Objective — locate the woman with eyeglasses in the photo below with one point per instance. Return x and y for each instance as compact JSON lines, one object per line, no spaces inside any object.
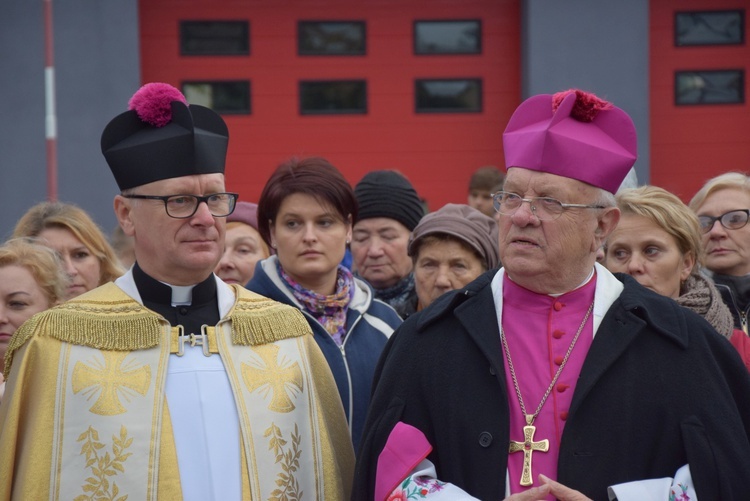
{"x":722,"y":206}
{"x":658,"y":242}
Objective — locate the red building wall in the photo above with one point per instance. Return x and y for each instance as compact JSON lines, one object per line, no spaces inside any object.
{"x":438,"y":152}
{"x":690,"y":144}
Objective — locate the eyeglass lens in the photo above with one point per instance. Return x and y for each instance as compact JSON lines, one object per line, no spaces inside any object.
{"x":543,"y":207}
{"x":732,"y":220}
{"x":219,"y":204}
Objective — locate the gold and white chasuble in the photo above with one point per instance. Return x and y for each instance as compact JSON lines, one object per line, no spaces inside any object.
{"x":85,"y":414}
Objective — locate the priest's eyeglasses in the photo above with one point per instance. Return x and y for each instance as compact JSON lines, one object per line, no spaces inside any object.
{"x":185,"y":206}
{"x":732,"y":220}
{"x":544,"y":208}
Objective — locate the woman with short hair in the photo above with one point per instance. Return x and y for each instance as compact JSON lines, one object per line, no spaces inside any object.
{"x":722,"y":206}
{"x":658,"y":242}
{"x":87,"y":256}
{"x":305,"y":214}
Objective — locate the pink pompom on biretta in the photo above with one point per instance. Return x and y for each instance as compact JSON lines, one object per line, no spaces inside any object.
{"x":586,"y":107}
{"x":153,"y":103}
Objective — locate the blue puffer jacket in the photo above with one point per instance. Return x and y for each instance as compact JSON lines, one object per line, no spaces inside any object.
{"x":369,"y":324}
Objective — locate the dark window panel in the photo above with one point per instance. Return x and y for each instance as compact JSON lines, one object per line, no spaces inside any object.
{"x":449,"y":96}
{"x":225,"y":97}
{"x":448,"y":37}
{"x":709,"y":87}
{"x":214,"y":38}
{"x":333,"y":97}
{"x":725,"y":27}
{"x":331,"y":38}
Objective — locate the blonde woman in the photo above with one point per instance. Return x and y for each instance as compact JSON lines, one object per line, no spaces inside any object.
{"x":87,"y":256}
{"x":658,"y":242}
{"x":31,"y":280}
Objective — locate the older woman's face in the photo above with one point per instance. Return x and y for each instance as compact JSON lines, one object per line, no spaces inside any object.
{"x":310,"y":240}
{"x":727,"y":251}
{"x":643,"y":249}
{"x":20,"y":298}
{"x":244,"y":247}
{"x":442,"y":266}
{"x":380,"y":251}
{"x":82,"y":266}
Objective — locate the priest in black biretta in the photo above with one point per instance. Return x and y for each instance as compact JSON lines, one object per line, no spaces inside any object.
{"x":162,"y":137}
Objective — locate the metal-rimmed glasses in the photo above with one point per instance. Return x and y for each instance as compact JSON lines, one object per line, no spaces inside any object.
{"x":544,"y":208}
{"x":184,"y":206}
{"x":732,"y":220}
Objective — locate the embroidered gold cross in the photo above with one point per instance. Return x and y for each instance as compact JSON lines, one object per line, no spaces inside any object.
{"x":110,"y":379}
{"x":278,"y":378}
{"x":528,"y":446}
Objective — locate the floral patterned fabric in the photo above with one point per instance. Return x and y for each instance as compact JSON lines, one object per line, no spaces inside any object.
{"x":330,"y":311}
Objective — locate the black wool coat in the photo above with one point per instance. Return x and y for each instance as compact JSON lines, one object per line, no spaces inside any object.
{"x":658,"y":389}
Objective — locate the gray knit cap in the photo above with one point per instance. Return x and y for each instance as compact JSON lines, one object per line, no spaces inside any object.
{"x":386,"y":193}
{"x":465,"y":223}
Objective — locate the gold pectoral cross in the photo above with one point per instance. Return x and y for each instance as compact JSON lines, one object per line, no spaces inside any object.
{"x":528,"y":446}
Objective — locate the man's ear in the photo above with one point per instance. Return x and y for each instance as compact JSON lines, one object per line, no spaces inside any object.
{"x":606,"y":224}
{"x":123,"y":212}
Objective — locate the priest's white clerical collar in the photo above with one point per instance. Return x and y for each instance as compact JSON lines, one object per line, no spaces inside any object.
{"x":182,"y":295}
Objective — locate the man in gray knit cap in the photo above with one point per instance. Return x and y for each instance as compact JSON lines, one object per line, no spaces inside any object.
{"x":389,"y":210}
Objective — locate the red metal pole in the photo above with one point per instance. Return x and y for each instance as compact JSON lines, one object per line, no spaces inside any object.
{"x":49,"y":95}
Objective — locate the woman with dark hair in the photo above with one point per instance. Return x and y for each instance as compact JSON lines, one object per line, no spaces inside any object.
{"x":305,"y":214}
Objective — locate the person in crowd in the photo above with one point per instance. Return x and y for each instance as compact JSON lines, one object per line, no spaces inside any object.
{"x":451,"y":247}
{"x":31,"y":280}
{"x":244,"y":245}
{"x":169,"y":383}
{"x":658,"y":242}
{"x":124,"y":247}
{"x":88,"y":257}
{"x":389,"y":210}
{"x":305,"y":213}
{"x":483,"y":183}
{"x":551,"y":377}
{"x":722,"y":206}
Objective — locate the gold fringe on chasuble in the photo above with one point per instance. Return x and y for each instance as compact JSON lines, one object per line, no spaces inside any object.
{"x":105,"y":318}
{"x":258,"y":320}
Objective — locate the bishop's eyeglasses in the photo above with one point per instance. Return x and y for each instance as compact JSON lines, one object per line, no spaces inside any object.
{"x":732,"y":220}
{"x":184,"y":206}
{"x":544,"y":208}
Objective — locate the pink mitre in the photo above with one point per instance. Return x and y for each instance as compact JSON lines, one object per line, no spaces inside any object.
{"x":573,"y":134}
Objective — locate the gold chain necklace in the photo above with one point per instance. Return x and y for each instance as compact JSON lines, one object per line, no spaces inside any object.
{"x":528,"y":446}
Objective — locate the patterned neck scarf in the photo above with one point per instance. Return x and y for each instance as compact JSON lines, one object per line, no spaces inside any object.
{"x":402,"y":296}
{"x":331,"y":310}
